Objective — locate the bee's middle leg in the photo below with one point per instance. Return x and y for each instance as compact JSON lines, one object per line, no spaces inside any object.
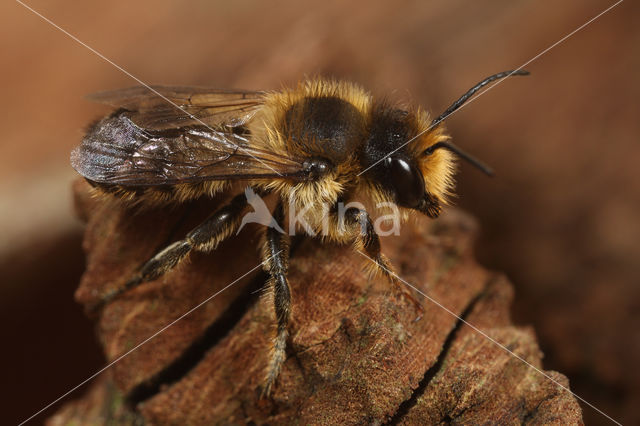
{"x":276,"y":257}
{"x":369,"y":242}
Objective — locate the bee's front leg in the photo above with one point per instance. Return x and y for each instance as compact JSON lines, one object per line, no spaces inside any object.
{"x":368,"y":242}
{"x":276,"y":257}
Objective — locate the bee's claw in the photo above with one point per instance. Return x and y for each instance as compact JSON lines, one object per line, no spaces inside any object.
{"x":419,"y":309}
{"x":265,"y":390}
{"x":406,"y":294}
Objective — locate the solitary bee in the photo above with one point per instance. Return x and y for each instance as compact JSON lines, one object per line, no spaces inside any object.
{"x":319,"y":144}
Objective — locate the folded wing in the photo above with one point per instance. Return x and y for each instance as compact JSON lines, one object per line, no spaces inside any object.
{"x":150,"y":142}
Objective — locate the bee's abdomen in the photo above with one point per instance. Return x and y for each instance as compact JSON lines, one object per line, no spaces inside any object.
{"x":326,"y":126}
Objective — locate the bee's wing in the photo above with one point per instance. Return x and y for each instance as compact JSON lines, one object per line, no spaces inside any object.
{"x":118,"y":150}
{"x":165,"y":107}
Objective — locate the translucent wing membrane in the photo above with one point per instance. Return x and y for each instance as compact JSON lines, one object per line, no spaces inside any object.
{"x":198,"y":106}
{"x":149,"y":142}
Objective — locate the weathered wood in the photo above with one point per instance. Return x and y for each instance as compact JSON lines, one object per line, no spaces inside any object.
{"x":355,"y":354}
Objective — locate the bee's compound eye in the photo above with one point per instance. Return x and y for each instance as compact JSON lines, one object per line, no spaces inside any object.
{"x":406,"y":180}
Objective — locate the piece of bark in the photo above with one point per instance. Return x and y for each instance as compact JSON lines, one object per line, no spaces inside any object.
{"x":355,"y":353}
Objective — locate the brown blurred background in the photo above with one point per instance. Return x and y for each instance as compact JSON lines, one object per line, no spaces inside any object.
{"x":561,"y":219}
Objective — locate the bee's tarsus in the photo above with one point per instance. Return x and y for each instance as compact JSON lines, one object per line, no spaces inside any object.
{"x":276,"y":254}
{"x":203,"y":238}
{"x":369,"y":242}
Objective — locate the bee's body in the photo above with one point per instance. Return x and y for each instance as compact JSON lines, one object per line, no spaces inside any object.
{"x":336,"y":123}
{"x":314,"y":146}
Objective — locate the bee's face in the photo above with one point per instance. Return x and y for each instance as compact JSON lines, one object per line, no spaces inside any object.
{"x":412,"y":178}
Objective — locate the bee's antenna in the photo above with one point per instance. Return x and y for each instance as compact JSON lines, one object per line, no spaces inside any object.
{"x":464,"y":98}
{"x":448,"y":145}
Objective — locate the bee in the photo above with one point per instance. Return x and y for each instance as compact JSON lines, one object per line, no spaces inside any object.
{"x":319,"y":144}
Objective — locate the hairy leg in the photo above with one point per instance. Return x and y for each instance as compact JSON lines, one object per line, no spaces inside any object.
{"x":203,"y":238}
{"x":276,"y":255}
{"x":368,"y":242}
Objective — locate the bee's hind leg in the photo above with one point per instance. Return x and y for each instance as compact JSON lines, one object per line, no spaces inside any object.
{"x":368,"y":242}
{"x":203,"y":238}
{"x":276,"y":258}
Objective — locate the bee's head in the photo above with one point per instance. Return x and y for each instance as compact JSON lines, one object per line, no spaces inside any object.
{"x":410,"y":174}
{"x":410,"y":158}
